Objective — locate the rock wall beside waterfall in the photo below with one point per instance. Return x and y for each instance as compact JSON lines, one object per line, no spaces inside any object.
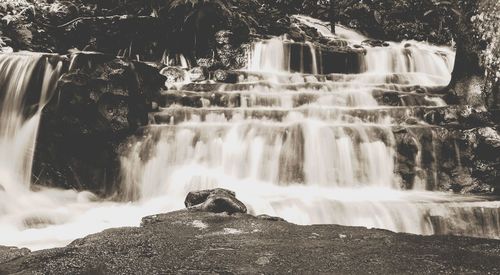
{"x":99,"y":102}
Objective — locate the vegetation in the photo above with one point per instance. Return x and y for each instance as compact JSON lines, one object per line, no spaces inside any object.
{"x":487,"y":24}
{"x":191,"y":23}
{"x":189,"y":26}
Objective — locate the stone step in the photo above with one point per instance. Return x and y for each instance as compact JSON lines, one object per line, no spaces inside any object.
{"x":309,"y":86}
{"x":246,"y":76}
{"x":270,"y":98}
{"x":380,"y":115}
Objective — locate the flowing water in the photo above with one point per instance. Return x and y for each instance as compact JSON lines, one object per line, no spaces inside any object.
{"x":291,"y":138}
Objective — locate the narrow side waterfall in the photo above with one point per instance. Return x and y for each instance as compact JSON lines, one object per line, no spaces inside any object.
{"x":271,"y":55}
{"x":24,"y":77}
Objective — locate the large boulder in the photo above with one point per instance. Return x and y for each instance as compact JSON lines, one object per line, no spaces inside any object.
{"x":215,"y":201}
{"x":99,"y":102}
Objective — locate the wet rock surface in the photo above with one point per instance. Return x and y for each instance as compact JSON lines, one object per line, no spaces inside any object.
{"x":201,"y":242}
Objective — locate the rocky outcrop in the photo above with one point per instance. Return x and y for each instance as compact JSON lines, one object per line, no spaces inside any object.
{"x":203,"y":242}
{"x":99,"y":102}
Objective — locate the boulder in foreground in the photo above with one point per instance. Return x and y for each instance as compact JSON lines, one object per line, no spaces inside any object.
{"x":215,"y":201}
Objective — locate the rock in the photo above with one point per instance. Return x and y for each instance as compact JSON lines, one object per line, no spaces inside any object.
{"x":374,"y":43}
{"x":99,"y":103}
{"x":490,"y":136}
{"x":472,"y":118}
{"x":198,"y":74}
{"x":215,"y":201}
{"x":173,"y":74}
{"x":296,"y":34}
{"x":10,"y":253}
{"x":226,"y":76}
{"x":411,"y":121}
{"x":270,"y":218}
{"x":480,"y":153}
{"x":489,"y":144}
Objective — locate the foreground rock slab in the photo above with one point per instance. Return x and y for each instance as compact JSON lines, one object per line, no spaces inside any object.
{"x":199,"y":242}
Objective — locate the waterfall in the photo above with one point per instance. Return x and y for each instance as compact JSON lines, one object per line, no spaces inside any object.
{"x":305,"y":134}
{"x":271,"y":56}
{"x":309,"y":148}
{"x":413,"y":61}
{"x":21,"y":75}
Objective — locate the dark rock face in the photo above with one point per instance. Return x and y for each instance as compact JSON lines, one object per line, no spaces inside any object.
{"x":215,"y":201}
{"x":200,"y":242}
{"x":482,"y":155}
{"x":99,"y":102}
{"x":450,"y":158}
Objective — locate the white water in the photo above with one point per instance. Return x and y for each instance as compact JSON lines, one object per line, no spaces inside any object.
{"x":418,"y":62}
{"x":328,"y":160}
{"x":48,"y":217}
{"x":314,"y":162}
{"x":17,"y":134}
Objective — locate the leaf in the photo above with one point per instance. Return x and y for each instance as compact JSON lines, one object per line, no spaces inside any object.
{"x":456,"y":12}
{"x":444,"y":3}
{"x":9,"y":18}
{"x":428,"y":12}
{"x":378,"y":17}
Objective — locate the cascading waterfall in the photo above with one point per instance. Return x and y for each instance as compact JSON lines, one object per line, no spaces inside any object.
{"x":309,"y":148}
{"x":306,"y":147}
{"x":416,"y":62}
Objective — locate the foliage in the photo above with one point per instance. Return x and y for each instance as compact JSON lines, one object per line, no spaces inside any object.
{"x":13,"y":21}
{"x":431,"y":20}
{"x":22,"y":20}
{"x":487,"y":28}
